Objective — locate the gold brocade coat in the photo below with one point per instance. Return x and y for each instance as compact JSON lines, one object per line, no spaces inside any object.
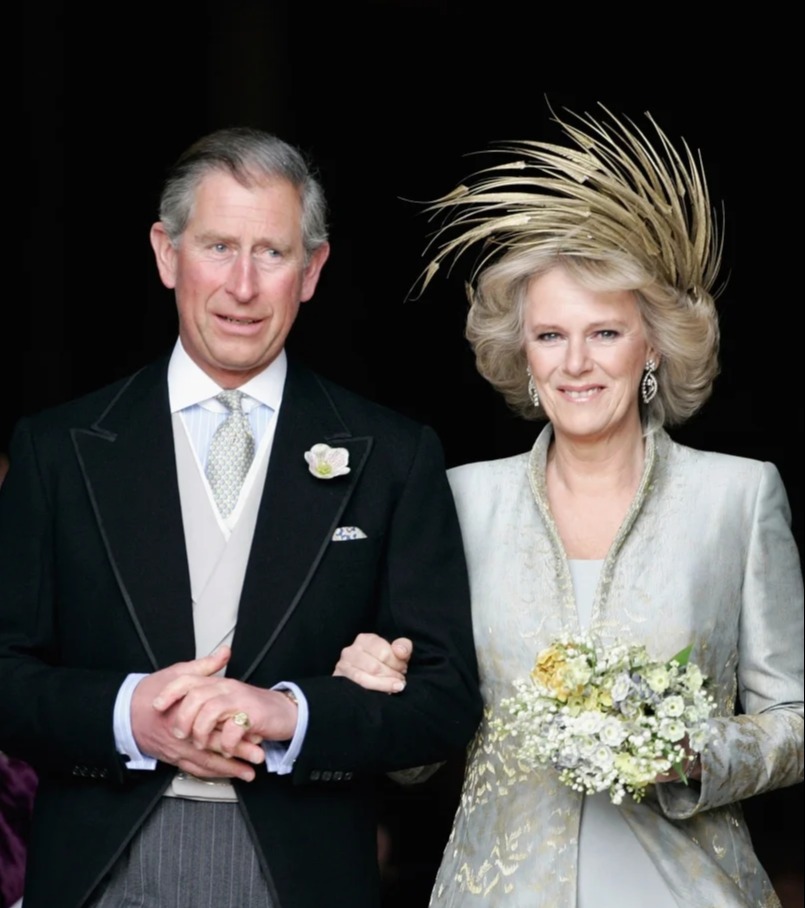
{"x":705,"y":555}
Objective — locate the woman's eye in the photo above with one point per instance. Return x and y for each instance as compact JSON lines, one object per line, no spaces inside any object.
{"x":607,"y":334}
{"x":548,"y":336}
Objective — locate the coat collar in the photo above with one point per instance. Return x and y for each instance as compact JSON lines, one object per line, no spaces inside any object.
{"x":656,"y":443}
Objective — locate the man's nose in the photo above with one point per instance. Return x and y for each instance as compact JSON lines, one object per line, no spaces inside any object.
{"x":242,"y":282}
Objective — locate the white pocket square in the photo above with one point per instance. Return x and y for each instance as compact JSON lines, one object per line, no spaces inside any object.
{"x":345,"y":534}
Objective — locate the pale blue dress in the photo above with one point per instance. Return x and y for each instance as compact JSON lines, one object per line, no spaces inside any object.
{"x":614,"y":868}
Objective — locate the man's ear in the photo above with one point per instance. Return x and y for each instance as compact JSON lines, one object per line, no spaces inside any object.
{"x":313,"y":271}
{"x":165,"y":254}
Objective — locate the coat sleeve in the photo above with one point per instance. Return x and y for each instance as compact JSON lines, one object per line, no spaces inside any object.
{"x":422,"y":593}
{"x":762,"y":748}
{"x":52,"y":715}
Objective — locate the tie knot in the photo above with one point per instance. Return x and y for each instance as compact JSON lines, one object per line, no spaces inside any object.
{"x":232,"y":400}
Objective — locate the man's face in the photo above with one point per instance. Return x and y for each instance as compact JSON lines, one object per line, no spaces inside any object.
{"x":239,"y":274}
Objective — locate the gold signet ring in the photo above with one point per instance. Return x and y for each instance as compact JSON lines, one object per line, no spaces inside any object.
{"x":241,"y":719}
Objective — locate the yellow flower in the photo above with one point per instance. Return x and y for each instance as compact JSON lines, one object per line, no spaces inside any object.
{"x":598,"y":699}
{"x":549,"y":671}
{"x":563,"y":670}
{"x":575,"y":704}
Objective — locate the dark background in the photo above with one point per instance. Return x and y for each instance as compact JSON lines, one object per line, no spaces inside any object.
{"x":389,"y":98}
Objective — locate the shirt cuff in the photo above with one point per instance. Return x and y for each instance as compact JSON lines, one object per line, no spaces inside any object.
{"x":124,"y":736}
{"x":281,"y":755}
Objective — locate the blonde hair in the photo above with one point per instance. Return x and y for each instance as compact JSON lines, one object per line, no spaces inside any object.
{"x":682,"y":327}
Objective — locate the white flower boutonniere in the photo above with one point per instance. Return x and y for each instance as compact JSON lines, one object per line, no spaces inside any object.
{"x":325,"y":462}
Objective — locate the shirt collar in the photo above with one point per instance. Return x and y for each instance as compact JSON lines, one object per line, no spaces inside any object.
{"x":189,"y":385}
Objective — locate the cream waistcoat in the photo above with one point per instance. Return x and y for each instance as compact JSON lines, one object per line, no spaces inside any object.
{"x":217,"y":568}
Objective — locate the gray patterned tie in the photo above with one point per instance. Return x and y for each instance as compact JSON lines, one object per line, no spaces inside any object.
{"x":231,"y":453}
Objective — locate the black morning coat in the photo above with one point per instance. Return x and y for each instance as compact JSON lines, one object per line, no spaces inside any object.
{"x":94,"y":584}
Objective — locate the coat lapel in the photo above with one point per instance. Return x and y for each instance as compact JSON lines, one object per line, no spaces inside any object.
{"x":297,"y":516}
{"x":127,"y":457}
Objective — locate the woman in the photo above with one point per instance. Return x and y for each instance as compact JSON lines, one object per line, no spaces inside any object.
{"x":593,"y":308}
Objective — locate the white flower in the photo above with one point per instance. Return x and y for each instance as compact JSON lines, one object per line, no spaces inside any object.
{"x":604,"y":756}
{"x":697,"y":739}
{"x":578,"y":672}
{"x":613,"y":732}
{"x":658,"y":678}
{"x":672,"y":707}
{"x":694,"y":678}
{"x":589,"y":722}
{"x":672,"y":729}
{"x":325,"y":462}
{"x":621,"y":687}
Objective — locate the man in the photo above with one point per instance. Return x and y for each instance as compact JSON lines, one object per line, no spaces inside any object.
{"x":173,"y":558}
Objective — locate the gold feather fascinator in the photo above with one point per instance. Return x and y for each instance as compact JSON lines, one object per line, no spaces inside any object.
{"x":610,"y":190}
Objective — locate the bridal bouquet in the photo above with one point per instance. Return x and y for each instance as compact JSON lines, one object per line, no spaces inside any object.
{"x":607,"y":717}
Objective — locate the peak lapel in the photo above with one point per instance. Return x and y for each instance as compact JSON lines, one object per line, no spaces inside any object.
{"x":298,"y":515}
{"x":127,"y":457}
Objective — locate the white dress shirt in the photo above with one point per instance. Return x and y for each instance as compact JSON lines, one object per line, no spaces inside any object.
{"x":192,"y":393}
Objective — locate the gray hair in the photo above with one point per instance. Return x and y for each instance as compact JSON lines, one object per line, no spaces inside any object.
{"x":250,"y":156}
{"x":681,"y":325}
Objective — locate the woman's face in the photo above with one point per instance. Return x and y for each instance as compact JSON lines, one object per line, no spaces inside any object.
{"x":587,"y":350}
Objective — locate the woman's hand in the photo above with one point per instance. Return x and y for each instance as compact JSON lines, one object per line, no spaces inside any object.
{"x":376,"y":664}
{"x":691,"y":767}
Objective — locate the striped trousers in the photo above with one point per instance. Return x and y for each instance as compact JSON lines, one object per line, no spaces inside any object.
{"x":188,"y":854}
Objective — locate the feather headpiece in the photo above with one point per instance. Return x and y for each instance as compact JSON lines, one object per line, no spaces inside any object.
{"x":611,"y":190}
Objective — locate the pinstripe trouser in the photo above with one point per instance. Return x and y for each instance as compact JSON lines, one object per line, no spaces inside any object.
{"x":188,"y":854}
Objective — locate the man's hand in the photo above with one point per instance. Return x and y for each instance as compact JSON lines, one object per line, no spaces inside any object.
{"x":154,"y":728}
{"x":376,"y":664}
{"x":201,"y":708}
